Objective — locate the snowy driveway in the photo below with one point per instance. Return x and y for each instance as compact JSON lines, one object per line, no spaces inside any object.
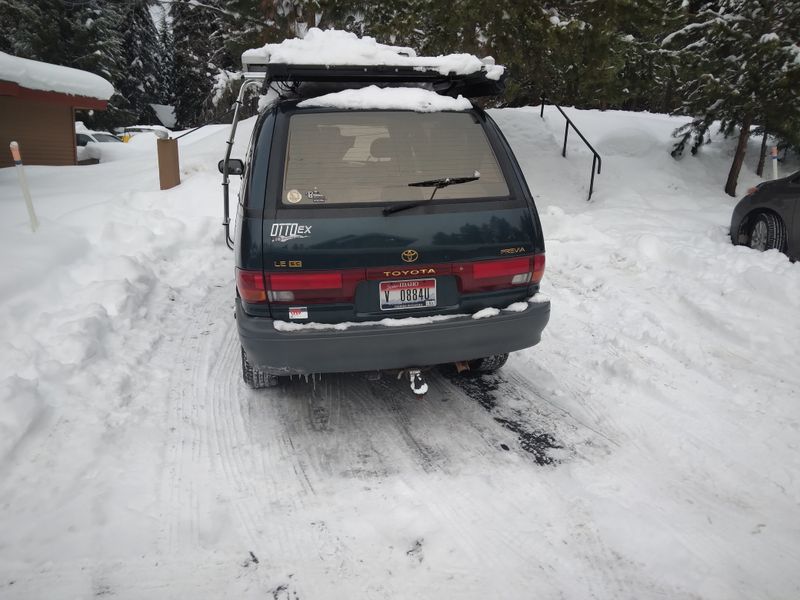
{"x":647,"y":448}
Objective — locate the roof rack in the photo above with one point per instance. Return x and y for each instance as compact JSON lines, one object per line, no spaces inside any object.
{"x":470,"y":85}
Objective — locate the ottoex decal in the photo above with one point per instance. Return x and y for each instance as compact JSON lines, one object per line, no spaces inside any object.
{"x":283,"y":232}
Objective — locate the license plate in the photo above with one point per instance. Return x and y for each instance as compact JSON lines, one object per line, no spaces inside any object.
{"x":409,"y":293}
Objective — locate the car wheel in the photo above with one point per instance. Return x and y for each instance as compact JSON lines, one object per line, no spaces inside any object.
{"x":767,"y":232}
{"x":488,"y":364}
{"x":254,"y":377}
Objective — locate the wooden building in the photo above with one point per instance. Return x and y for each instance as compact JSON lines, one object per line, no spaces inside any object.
{"x":37,"y":108}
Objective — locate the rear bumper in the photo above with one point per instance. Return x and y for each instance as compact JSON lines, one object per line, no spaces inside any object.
{"x":378,"y":347}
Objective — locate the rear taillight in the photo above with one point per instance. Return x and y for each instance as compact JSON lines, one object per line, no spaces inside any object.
{"x":488,"y":275}
{"x":538,"y":268}
{"x":340,"y":286}
{"x":251,"y":286}
{"x":311,"y":288}
{"x":491,"y":269}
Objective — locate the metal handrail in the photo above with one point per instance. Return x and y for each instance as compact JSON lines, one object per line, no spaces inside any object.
{"x":596,"y":159}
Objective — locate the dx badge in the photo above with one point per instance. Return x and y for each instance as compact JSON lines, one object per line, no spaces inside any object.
{"x":409,"y":255}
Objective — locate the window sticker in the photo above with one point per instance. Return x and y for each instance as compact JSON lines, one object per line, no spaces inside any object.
{"x":315,"y":195}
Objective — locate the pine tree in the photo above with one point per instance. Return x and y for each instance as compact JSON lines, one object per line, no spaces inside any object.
{"x":39,"y":30}
{"x":739,"y":66}
{"x":19,"y":21}
{"x":95,"y":44}
{"x":139,"y":81}
{"x":166,"y":82}
{"x":198,"y":31}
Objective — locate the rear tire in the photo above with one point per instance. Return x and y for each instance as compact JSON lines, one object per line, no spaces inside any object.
{"x":255,"y":378}
{"x":767,"y":233}
{"x":488,"y":364}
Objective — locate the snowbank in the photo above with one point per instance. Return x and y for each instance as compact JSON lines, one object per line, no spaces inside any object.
{"x":139,"y":145}
{"x":373,"y":97}
{"x":335,"y":47}
{"x":37,"y":75}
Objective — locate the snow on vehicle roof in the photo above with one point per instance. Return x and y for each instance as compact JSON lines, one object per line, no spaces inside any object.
{"x":393,"y":98}
{"x":336,"y":47}
{"x":37,"y":75}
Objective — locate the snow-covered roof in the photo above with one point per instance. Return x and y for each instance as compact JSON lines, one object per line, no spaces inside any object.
{"x":373,"y":97}
{"x":165,"y":114}
{"x":336,"y":47}
{"x":36,"y":75}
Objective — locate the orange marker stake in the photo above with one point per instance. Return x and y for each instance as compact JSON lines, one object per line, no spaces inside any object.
{"x":774,"y":162}
{"x":23,"y":183}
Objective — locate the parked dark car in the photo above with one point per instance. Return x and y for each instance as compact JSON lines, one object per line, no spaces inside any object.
{"x":768,"y":217}
{"x":351,"y":217}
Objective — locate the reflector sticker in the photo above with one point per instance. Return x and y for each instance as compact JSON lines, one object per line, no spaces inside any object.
{"x":293,"y":196}
{"x":298,"y":312}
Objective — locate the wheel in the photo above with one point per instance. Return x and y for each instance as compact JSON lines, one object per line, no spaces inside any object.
{"x":488,"y":364}
{"x":254,"y":377}
{"x":767,"y":232}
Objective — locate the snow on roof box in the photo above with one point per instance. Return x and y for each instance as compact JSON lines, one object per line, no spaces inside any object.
{"x":332,"y":55}
{"x":373,"y":97}
{"x":36,"y":75}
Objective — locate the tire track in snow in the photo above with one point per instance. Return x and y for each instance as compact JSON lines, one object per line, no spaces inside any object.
{"x":367,"y":415}
{"x":212,"y":469}
{"x":278,"y":454}
{"x":186,"y":421}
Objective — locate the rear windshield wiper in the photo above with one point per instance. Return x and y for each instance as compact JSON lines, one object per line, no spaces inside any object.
{"x":436,"y":184}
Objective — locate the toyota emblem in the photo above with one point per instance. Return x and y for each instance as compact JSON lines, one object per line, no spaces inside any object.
{"x":409,"y":255}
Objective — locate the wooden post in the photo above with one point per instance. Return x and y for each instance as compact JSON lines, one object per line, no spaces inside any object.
{"x":169,"y":170}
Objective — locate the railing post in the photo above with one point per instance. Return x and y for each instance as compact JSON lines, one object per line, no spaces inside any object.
{"x":591,"y":182}
{"x":566,"y":132}
{"x":541,"y":114}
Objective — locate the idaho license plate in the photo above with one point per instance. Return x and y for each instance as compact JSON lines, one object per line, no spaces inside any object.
{"x":410,"y":293}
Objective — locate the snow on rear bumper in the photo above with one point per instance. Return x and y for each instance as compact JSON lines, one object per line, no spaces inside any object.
{"x":379,"y":347}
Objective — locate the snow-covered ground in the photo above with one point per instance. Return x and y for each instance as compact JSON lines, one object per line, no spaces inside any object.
{"x":647,"y":448}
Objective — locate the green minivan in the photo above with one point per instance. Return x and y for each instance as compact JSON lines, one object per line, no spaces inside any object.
{"x":375,"y":233}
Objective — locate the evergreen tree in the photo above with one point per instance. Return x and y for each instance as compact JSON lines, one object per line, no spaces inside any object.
{"x":517,"y":34}
{"x":739,"y":66}
{"x":139,"y":80}
{"x":19,"y":22}
{"x":166,"y":82}
{"x":95,"y":44}
{"x":198,"y":31}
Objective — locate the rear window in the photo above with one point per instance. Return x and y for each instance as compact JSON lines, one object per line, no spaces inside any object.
{"x":361,"y":157}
